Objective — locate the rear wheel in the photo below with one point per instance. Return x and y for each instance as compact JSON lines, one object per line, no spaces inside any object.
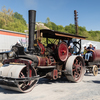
{"x":75,"y":68}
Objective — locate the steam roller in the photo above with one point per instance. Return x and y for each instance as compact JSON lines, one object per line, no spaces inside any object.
{"x":22,"y":69}
{"x":15,"y":77}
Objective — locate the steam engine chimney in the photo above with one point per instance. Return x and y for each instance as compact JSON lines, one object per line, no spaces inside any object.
{"x":32,"y":17}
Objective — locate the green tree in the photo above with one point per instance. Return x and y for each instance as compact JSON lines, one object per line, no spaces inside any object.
{"x":60,"y":28}
{"x":53,"y":26}
{"x":6,"y":15}
{"x":48,"y":23}
{"x":11,"y":21}
{"x":20,"y":17}
{"x":70,"y":28}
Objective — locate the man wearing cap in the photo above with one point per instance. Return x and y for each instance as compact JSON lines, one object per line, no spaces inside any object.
{"x":90,"y":50}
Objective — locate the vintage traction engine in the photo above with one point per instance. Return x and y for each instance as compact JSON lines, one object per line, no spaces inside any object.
{"x":23,"y":69}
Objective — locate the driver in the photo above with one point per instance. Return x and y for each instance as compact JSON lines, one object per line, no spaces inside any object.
{"x":70,"y":45}
{"x":90,"y":50}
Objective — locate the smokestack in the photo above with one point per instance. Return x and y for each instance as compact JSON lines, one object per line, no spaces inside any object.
{"x":32,"y":17}
{"x":76,"y":21}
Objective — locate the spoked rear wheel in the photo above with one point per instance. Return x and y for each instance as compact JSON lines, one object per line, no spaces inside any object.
{"x":75,"y":68}
{"x":27,"y":86}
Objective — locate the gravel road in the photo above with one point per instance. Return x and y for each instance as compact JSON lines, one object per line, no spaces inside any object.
{"x":61,"y":89}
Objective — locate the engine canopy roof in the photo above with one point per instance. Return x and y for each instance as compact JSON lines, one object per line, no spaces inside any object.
{"x":47,"y":33}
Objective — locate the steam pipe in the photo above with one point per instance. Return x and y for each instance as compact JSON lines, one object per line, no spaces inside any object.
{"x":32,"y":17}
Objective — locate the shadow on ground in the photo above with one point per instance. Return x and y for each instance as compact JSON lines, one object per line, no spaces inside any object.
{"x":92,"y":81}
{"x":48,"y":81}
{"x":88,"y":74}
{"x":41,"y":81}
{"x":5,"y":91}
{"x":98,"y":82}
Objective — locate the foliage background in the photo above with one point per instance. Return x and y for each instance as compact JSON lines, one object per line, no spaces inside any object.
{"x":14,"y":21}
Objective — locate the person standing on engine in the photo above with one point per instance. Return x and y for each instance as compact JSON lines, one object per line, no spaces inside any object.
{"x":70,"y":45}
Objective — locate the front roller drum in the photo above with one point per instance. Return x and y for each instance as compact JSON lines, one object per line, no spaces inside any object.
{"x":17,"y":71}
{"x":75,"y":68}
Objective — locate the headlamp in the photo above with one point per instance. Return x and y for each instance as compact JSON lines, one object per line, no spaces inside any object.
{"x":11,"y":54}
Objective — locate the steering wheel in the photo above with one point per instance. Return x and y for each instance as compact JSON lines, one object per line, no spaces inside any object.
{"x":77,"y":45}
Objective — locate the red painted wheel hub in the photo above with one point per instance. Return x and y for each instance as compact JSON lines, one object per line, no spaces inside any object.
{"x":63,"y":51}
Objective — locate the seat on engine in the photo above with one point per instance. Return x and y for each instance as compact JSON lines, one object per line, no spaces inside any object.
{"x":91,"y":58}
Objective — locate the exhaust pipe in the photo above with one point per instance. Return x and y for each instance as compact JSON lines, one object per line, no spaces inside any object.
{"x":32,"y":17}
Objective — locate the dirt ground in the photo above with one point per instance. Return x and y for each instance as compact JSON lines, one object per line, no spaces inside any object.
{"x":61,"y":89}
